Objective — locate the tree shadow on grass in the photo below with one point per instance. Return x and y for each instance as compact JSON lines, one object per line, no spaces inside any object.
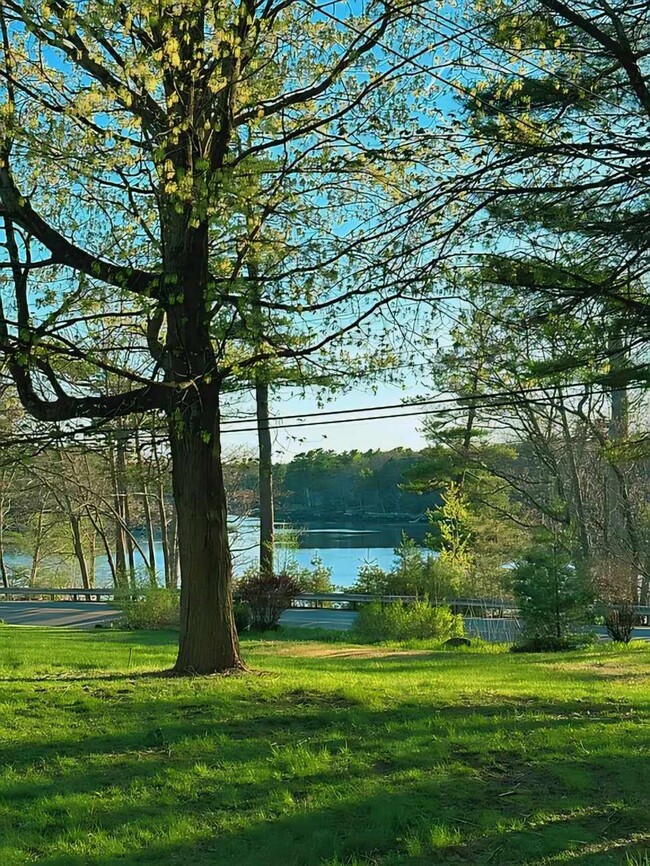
{"x":303,"y":777}
{"x":419,"y":822}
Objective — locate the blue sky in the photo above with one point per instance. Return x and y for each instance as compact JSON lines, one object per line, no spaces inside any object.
{"x":386,"y":434}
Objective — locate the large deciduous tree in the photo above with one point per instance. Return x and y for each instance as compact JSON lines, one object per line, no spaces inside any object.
{"x":134,"y":137}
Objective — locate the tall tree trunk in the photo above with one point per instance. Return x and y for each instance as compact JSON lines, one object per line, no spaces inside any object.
{"x":98,"y":526}
{"x":3,"y":565}
{"x":148,"y":519}
{"x":208,"y":640}
{"x":173,"y":548}
{"x":267,"y":536}
{"x":66,"y":503}
{"x":170,"y":581}
{"x":624,"y":539}
{"x":77,"y":543}
{"x":38,"y":543}
{"x":264,"y":447}
{"x":576,"y":487}
{"x":166,"y":534}
{"x":130,"y":548}
{"x":120,"y":533}
{"x":151,"y":541}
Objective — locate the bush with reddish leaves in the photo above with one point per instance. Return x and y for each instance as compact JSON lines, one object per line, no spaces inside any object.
{"x":267,"y":596}
{"x":620,"y":620}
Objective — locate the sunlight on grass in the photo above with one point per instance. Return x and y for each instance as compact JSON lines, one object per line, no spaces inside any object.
{"x":386,"y":757}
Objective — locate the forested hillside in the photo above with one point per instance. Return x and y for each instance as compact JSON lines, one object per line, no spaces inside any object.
{"x":326,"y":485}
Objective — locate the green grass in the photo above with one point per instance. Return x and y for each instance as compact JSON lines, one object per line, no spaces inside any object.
{"x":334,"y":754}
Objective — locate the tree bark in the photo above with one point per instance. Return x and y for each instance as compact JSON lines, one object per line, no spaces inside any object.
{"x":624,"y":540}
{"x":168,"y":559}
{"x":120,"y":533}
{"x":267,"y":517}
{"x":6,"y":483}
{"x":36,"y":555}
{"x":173,"y":547}
{"x":208,"y":639}
{"x":148,"y":518}
{"x":576,"y":487}
{"x":77,"y":542}
{"x":3,"y":566}
{"x":98,"y":526}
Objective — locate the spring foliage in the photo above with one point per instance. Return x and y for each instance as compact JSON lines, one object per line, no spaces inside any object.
{"x":402,"y":622}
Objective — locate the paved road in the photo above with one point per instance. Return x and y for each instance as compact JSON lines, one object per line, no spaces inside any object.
{"x":491,"y":629}
{"x":79,"y":614}
{"x":87,"y":614}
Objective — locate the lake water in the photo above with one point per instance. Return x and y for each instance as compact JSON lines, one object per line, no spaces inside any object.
{"x":343,"y":547}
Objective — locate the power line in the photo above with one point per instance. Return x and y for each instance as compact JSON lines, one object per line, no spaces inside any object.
{"x":466,"y":398}
{"x":473,"y":403}
{"x":503,"y":400}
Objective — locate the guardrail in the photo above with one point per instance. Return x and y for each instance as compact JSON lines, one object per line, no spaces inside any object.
{"x":351,"y":601}
{"x":306,"y":600}
{"x":75,"y":593}
{"x":490,"y":607}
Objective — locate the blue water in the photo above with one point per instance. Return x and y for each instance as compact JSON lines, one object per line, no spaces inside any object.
{"x":342,"y":547}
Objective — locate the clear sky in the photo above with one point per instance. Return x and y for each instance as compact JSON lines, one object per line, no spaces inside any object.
{"x":363,"y":435}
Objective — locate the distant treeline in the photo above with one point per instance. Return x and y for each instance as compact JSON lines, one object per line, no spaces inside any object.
{"x":328,"y":485}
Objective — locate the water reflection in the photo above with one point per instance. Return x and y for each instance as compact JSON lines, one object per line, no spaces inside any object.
{"x":342,"y":547}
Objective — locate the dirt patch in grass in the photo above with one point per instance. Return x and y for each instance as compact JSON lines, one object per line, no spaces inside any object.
{"x":364,"y":652}
{"x":614,"y":669}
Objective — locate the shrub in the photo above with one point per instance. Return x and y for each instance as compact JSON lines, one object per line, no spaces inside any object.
{"x":267,"y":597}
{"x":416,"y":571}
{"x":154,"y":608}
{"x":373,"y":580}
{"x":552,"y":643}
{"x":619,"y":620}
{"x":553,"y":595}
{"x":242,"y":614}
{"x":396,"y":621}
{"x":317,"y":578}
{"x":617,"y":591}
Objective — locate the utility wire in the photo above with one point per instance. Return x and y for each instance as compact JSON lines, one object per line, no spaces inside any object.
{"x":464,"y":398}
{"x":486,"y":401}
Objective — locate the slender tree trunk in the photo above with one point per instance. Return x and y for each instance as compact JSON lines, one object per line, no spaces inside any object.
{"x":120,"y":534}
{"x":267,"y":536}
{"x":3,"y":565}
{"x":101,"y":532}
{"x":66,"y":503}
{"x":77,"y":543}
{"x":148,"y":519}
{"x":173,"y":549}
{"x":4,"y":576}
{"x":625,"y":540}
{"x":36,"y":555}
{"x":130,"y":548}
{"x":208,"y":639}
{"x":164,"y":536}
{"x":151,"y":541}
{"x":578,"y":499}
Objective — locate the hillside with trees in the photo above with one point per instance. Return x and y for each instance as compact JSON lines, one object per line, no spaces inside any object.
{"x":329,"y":485}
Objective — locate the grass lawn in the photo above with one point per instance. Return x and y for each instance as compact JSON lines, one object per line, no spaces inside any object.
{"x":334,"y":755}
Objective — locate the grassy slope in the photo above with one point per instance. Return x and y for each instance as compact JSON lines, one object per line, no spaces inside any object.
{"x":335,"y":755}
